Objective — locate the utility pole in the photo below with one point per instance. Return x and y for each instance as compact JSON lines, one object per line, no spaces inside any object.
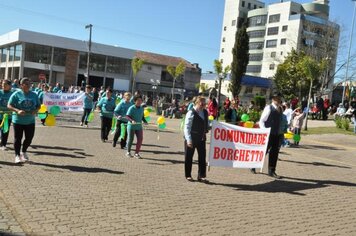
{"x":348,"y":57}
{"x":90,"y":26}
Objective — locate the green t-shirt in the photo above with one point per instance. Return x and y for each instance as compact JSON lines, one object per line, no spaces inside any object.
{"x":107,"y":107}
{"x":136,"y":113}
{"x":28,"y":102}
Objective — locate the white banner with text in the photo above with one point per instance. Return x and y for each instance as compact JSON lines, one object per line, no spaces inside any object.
{"x":237,"y":147}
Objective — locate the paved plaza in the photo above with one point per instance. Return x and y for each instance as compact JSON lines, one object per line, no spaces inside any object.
{"x":77,"y":185}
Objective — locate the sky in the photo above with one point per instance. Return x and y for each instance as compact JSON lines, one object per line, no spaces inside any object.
{"x":190,"y":29}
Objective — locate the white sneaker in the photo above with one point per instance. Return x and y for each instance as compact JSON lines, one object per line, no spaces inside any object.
{"x":137,"y":155}
{"x":128,"y":154}
{"x":17,"y":159}
{"x":3,"y":148}
{"x":24,"y":157}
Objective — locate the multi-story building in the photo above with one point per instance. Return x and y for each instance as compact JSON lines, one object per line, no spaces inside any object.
{"x":64,"y":60}
{"x":276,"y":29}
{"x":235,"y":14}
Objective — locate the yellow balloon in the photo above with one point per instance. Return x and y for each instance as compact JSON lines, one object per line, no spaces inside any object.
{"x":146,"y":113}
{"x":50,"y":120}
{"x":42,"y":109}
{"x":211,"y":117}
{"x":161,"y":120}
{"x":249,"y":124}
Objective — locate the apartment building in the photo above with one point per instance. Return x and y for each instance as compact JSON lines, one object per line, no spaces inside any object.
{"x":276,"y":29}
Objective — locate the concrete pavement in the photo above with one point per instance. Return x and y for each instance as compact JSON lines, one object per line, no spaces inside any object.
{"x":76,"y":185}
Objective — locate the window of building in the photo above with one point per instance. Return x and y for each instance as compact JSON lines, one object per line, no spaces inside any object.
{"x":223,"y":39}
{"x":253,"y":68}
{"x":243,"y":4}
{"x":18,"y":52}
{"x":257,"y":20}
{"x":283,"y":41}
{"x":271,"y":43}
{"x":263,"y":92}
{"x":273,"y":54}
{"x":272,"y":30}
{"x":4,"y":54}
{"x":249,"y":5}
{"x":59,"y":57}
{"x":222,"y":60}
{"x":38,"y":53}
{"x":284,"y":28}
{"x":254,"y":6}
{"x":224,"y":28}
{"x":281,"y":53}
{"x":255,"y":57}
{"x":12,"y":53}
{"x":149,"y":67}
{"x":233,"y":23}
{"x":274,"y":18}
{"x":255,"y":45}
{"x":271,"y":66}
{"x":222,"y":50}
{"x":256,"y":34}
{"x":118,"y":65}
{"x":248,"y":90}
{"x":97,"y":62}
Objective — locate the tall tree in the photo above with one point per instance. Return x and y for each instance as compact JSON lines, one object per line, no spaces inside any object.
{"x":222,"y":74}
{"x":312,"y":70}
{"x":289,"y":79}
{"x":240,"y":60}
{"x":136,"y":65}
{"x":175,"y":72}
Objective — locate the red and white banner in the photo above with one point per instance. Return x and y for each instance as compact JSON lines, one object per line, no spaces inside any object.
{"x":66,"y":101}
{"x":237,"y":147}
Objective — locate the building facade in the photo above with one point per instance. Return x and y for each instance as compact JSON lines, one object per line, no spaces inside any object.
{"x":64,"y":60}
{"x":235,"y":14}
{"x":251,"y":86}
{"x":276,"y":29}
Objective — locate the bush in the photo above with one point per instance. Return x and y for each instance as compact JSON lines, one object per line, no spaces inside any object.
{"x":260,"y":102}
{"x":345,"y":124}
{"x":338,"y":122}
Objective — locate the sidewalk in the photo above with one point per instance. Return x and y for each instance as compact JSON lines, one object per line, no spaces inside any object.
{"x":77,"y":185}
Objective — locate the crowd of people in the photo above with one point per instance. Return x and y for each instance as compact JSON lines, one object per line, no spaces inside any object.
{"x":20,"y":102}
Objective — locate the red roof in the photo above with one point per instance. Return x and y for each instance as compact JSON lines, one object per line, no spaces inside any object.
{"x":159,"y":59}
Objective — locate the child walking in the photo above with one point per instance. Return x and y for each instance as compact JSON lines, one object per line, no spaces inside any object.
{"x":135,"y":117}
{"x":298,"y":122}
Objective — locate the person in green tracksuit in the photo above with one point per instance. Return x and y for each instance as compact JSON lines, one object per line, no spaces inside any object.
{"x":134,"y":126}
{"x":106,"y":106}
{"x":120,"y":113}
{"x":24,"y":104}
{"x":5,"y":95}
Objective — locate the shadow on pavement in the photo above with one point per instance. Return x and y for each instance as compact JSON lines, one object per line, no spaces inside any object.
{"x":79,"y":127}
{"x":5,"y":163}
{"x":315,"y":164}
{"x":39,"y":153}
{"x":282,"y":186}
{"x":79,"y":168}
{"x":307,"y":146}
{"x":4,"y":233}
{"x":152,"y":145}
{"x":55,"y":147}
{"x":171,"y":161}
{"x":163,"y":152}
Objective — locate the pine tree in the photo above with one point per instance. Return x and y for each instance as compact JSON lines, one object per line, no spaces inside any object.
{"x":240,"y":60}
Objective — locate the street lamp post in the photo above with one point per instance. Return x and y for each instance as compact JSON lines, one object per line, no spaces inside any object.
{"x":90,"y":26}
{"x":348,"y":57}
